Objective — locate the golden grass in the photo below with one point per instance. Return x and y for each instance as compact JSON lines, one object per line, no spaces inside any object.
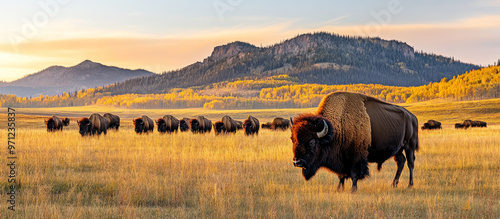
{"x":124,"y":175}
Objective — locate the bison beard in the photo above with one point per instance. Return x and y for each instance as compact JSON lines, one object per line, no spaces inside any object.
{"x":348,"y":131}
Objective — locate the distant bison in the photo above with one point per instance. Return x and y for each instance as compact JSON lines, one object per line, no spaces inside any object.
{"x":470,"y":123}
{"x":431,"y":124}
{"x":239,"y":124}
{"x":167,"y":124}
{"x":84,"y":126}
{"x":143,"y":124}
{"x":277,"y":124}
{"x":54,"y":123}
{"x":184,"y":124}
{"x":200,"y":124}
{"x":348,"y":131}
{"x":99,"y":124}
{"x":251,"y":125}
{"x":219,"y":127}
{"x":459,"y":126}
{"x":114,"y":121}
{"x":65,"y":121}
{"x":229,"y":124}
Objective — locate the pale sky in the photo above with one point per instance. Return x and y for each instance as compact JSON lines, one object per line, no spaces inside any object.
{"x":167,"y":35}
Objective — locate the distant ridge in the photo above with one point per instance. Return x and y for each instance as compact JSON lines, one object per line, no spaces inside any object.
{"x":322,"y":58}
{"x":58,"y":79}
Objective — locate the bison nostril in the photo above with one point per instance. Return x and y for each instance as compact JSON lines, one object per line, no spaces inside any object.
{"x":299,"y":163}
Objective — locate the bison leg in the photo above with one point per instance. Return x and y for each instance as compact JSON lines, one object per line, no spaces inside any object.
{"x":410,"y":156}
{"x":340,"y":187}
{"x":400,"y":161}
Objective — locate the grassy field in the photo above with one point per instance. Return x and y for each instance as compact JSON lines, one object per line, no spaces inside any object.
{"x":124,"y":175}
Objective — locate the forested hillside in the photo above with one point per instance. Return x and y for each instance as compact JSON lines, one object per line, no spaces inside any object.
{"x":321,"y":58}
{"x":274,"y":92}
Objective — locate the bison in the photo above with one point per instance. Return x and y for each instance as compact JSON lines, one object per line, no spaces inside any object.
{"x":459,"y":126}
{"x":84,"y":126}
{"x":431,"y":124}
{"x":143,"y":124}
{"x":54,"y":123}
{"x":99,"y":124}
{"x":348,"y":131}
{"x":278,"y":123}
{"x":239,"y":125}
{"x":481,"y":124}
{"x":65,"y":121}
{"x":167,"y":124}
{"x":114,"y":121}
{"x":200,"y":124}
{"x":229,"y":124}
{"x":219,"y":127}
{"x":184,"y":124}
{"x":470,"y":123}
{"x":251,"y":125}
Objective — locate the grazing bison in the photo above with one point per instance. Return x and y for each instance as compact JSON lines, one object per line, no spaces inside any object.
{"x":431,"y":124}
{"x":114,"y":121}
{"x":459,"y":126}
{"x":200,"y":124}
{"x":277,"y":124}
{"x":481,"y":124}
{"x":348,"y":131}
{"x":99,"y":124}
{"x":65,"y":121}
{"x":251,"y":125}
{"x":54,"y":123}
{"x":219,"y":127}
{"x":229,"y":124}
{"x":143,"y":124}
{"x":84,"y":126}
{"x":167,"y":124}
{"x":184,"y":124}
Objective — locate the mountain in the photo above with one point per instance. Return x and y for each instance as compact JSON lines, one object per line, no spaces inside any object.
{"x":58,"y":79}
{"x":321,"y":58}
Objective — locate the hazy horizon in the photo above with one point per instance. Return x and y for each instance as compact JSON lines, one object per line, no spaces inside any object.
{"x":167,"y":35}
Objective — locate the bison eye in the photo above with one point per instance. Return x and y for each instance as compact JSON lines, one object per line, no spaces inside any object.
{"x":312,"y":143}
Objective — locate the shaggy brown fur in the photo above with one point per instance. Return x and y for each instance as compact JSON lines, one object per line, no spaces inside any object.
{"x":54,"y":123}
{"x":114,"y":121}
{"x":251,"y":125}
{"x":229,"y":124}
{"x":184,"y":124}
{"x":84,"y":126}
{"x":99,"y":124}
{"x":172,"y":123}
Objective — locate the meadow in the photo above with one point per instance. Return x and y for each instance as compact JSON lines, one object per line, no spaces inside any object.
{"x":183,"y":175}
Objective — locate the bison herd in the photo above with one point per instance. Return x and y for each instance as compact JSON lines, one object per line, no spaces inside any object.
{"x":433,"y":124}
{"x":96,"y":124}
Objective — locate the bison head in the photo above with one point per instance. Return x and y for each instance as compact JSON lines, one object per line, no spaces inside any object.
{"x":139,"y":125}
{"x":183,"y":125}
{"x":162,"y":125}
{"x":51,"y":124}
{"x":248,"y":127}
{"x":65,"y":121}
{"x":312,"y":140}
{"x":84,"y":126}
{"x":195,"y":125}
{"x":219,"y":127}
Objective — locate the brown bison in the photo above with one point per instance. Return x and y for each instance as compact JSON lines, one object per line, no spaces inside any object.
{"x":143,"y":124}
{"x":54,"y":123}
{"x":277,"y":124}
{"x":348,"y":131}
{"x":431,"y":124}
{"x":470,"y":123}
{"x":200,"y":124}
{"x":229,"y":124}
{"x":459,"y":126}
{"x":251,"y":125}
{"x":218,"y":127}
{"x":167,"y":124}
{"x":114,"y":121}
{"x":84,"y":126}
{"x":99,"y":124}
{"x":184,"y":124}
{"x":65,"y":121}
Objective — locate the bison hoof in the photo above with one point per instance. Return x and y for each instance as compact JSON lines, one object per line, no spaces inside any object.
{"x":395,"y":183}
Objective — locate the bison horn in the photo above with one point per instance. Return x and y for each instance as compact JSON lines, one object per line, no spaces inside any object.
{"x":324,"y":131}
{"x":291,"y":121}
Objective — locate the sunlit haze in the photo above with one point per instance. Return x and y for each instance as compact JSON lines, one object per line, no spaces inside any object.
{"x":166,"y":35}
